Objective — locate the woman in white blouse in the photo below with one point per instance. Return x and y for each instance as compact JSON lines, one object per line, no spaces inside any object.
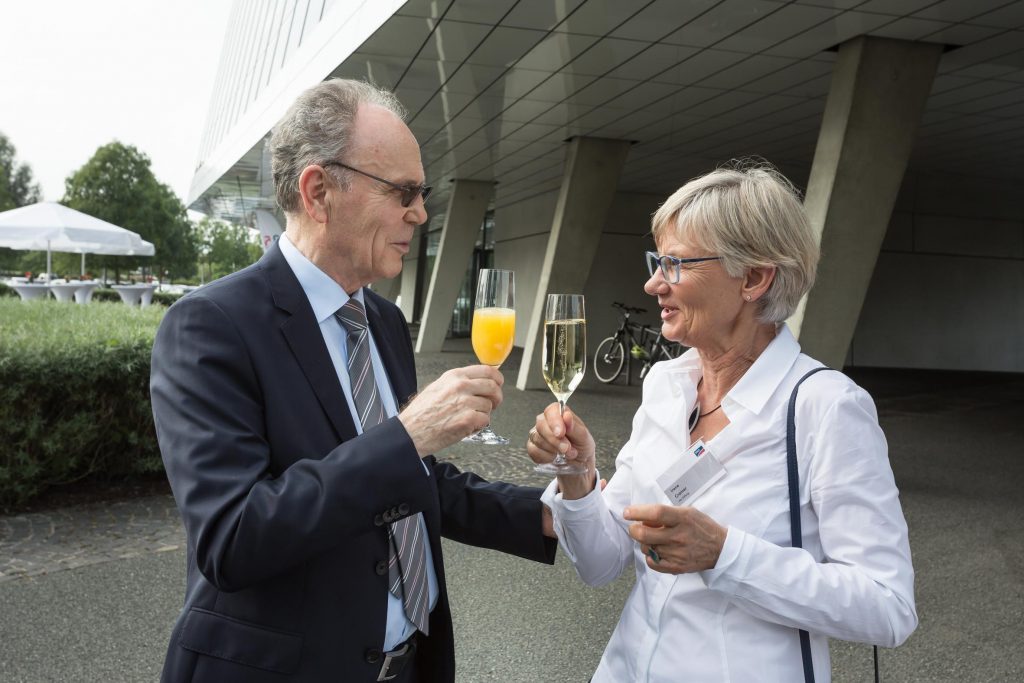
{"x":720,"y":591}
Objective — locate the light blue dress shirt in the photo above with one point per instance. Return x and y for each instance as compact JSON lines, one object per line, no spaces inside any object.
{"x":326,"y":296}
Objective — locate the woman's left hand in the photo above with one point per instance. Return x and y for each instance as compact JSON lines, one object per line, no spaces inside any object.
{"x":676,"y":540}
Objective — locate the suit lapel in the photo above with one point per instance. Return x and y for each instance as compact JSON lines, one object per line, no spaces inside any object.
{"x":401,"y":377}
{"x":303,"y":335}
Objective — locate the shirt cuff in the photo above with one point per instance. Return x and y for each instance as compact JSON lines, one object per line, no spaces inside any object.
{"x":728,"y":559}
{"x":564,"y":512}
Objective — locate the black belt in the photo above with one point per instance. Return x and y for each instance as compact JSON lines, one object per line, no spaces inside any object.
{"x":396,"y":660}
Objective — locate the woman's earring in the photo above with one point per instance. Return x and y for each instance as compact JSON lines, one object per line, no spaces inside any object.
{"x":748,"y":297}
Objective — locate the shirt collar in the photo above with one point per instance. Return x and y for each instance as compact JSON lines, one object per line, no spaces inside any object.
{"x":325,"y":295}
{"x":758,"y":383}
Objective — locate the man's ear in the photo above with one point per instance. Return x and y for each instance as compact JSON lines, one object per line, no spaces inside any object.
{"x":313,"y":186}
{"x":757,"y":282}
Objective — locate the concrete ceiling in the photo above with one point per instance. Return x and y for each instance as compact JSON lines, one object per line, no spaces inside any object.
{"x":495,"y":87}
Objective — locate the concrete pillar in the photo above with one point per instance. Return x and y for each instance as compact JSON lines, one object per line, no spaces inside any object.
{"x":388,"y":288}
{"x":878,"y":92}
{"x":592,"y":169}
{"x":410,"y":267}
{"x":467,"y":206}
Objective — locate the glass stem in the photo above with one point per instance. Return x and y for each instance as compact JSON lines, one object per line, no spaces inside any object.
{"x":560,"y":458}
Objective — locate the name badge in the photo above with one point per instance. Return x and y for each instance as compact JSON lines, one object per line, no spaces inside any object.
{"x":691,"y":475}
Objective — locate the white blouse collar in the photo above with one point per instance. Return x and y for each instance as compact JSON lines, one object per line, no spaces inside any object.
{"x":755,"y":387}
{"x":759,"y":383}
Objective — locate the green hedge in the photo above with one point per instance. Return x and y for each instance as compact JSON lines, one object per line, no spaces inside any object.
{"x":165,"y":298}
{"x":74,"y":394}
{"x":105,"y":295}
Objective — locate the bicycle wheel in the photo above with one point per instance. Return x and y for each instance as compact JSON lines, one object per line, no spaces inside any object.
{"x":608,"y":359}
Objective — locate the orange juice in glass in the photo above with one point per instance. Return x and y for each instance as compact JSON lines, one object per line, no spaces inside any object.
{"x":494,"y":329}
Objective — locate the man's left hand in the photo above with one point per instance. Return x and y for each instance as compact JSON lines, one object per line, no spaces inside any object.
{"x":683,"y":539}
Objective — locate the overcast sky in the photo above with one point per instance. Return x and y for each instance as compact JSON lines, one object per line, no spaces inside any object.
{"x":77,"y":74}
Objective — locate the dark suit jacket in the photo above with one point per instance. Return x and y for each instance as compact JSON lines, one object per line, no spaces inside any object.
{"x":284,"y":504}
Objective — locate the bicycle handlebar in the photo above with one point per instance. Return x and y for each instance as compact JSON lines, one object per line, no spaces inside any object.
{"x":628,"y":309}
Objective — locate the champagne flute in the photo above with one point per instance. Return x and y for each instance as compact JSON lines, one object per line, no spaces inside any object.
{"x":494,"y":329}
{"x":564,"y":358}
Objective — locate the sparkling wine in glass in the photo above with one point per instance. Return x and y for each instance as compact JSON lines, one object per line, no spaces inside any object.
{"x":494,"y":330}
{"x":564,"y":359}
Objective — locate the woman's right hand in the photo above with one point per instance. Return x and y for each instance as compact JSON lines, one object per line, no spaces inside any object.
{"x":566,"y":433}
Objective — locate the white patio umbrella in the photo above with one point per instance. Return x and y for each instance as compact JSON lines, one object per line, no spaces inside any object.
{"x":52,"y":227}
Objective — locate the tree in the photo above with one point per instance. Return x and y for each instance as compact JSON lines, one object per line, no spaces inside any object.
{"x":225,"y":248}
{"x":16,"y":186}
{"x":16,"y":189}
{"x":118,"y":186}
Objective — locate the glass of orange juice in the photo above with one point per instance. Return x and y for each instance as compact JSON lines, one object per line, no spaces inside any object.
{"x":494,"y":330}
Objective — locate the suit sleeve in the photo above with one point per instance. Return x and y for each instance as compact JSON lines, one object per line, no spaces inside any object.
{"x":247,"y":523}
{"x":492,"y":515}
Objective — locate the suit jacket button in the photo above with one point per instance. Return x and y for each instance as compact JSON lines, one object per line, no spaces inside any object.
{"x":388,"y":517}
{"x":403,"y":509}
{"x":381,"y":568}
{"x":378,"y":520}
{"x":373,"y":655}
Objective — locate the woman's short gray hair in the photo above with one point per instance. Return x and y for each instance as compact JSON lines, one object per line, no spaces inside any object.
{"x":751,"y":215}
{"x":317,"y":128}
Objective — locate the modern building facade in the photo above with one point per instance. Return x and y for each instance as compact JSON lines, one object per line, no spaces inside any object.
{"x":562,"y":124}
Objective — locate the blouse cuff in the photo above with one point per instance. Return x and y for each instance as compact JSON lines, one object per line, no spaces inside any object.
{"x":552,"y":497}
{"x":565,"y":512}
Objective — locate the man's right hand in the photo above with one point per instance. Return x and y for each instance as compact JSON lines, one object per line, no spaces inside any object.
{"x":457,"y":404}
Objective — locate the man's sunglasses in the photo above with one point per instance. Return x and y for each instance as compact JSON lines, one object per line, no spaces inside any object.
{"x":408,"y":192}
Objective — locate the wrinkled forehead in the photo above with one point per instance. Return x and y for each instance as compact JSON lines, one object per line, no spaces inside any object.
{"x":379,"y":134}
{"x":677,"y":235}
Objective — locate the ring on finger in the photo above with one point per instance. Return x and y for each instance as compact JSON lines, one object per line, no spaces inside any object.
{"x":653,"y":554}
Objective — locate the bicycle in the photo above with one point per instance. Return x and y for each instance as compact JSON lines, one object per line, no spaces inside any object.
{"x":644,"y":343}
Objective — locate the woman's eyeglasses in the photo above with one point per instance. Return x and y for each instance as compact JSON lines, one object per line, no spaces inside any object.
{"x":671,"y":267}
{"x":408,"y":192}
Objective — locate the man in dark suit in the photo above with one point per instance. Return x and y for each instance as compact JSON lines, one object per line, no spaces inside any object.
{"x":296,"y":445}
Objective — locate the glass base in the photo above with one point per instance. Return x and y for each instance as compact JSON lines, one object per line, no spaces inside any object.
{"x":486,"y":436}
{"x":553,"y":469}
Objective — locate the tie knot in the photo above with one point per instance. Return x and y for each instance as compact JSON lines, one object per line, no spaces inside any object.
{"x":352,"y":316}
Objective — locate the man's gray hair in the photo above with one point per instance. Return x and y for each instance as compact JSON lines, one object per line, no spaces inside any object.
{"x":751,"y":215}
{"x":318,"y":128}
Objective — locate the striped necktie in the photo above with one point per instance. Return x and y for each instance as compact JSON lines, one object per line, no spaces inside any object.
{"x":407,"y":564}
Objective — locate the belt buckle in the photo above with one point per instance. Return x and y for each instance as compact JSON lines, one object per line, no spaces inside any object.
{"x":388,"y":658}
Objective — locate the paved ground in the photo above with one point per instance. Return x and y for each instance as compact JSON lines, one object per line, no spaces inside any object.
{"x":89,"y":592}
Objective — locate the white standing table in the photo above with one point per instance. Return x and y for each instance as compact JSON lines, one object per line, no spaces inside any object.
{"x":134,"y":295}
{"x":28,"y":291}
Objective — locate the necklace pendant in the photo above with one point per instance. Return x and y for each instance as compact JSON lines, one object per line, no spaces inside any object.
{"x":694,"y":416}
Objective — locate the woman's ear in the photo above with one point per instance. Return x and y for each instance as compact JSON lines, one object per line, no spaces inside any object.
{"x":757,"y":282}
{"x":313,"y":186}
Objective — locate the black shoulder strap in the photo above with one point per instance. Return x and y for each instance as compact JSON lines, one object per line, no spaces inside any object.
{"x":794,"y":476}
{"x":796,"y":533}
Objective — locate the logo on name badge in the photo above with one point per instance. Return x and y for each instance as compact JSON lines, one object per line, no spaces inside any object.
{"x":688,"y":476}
